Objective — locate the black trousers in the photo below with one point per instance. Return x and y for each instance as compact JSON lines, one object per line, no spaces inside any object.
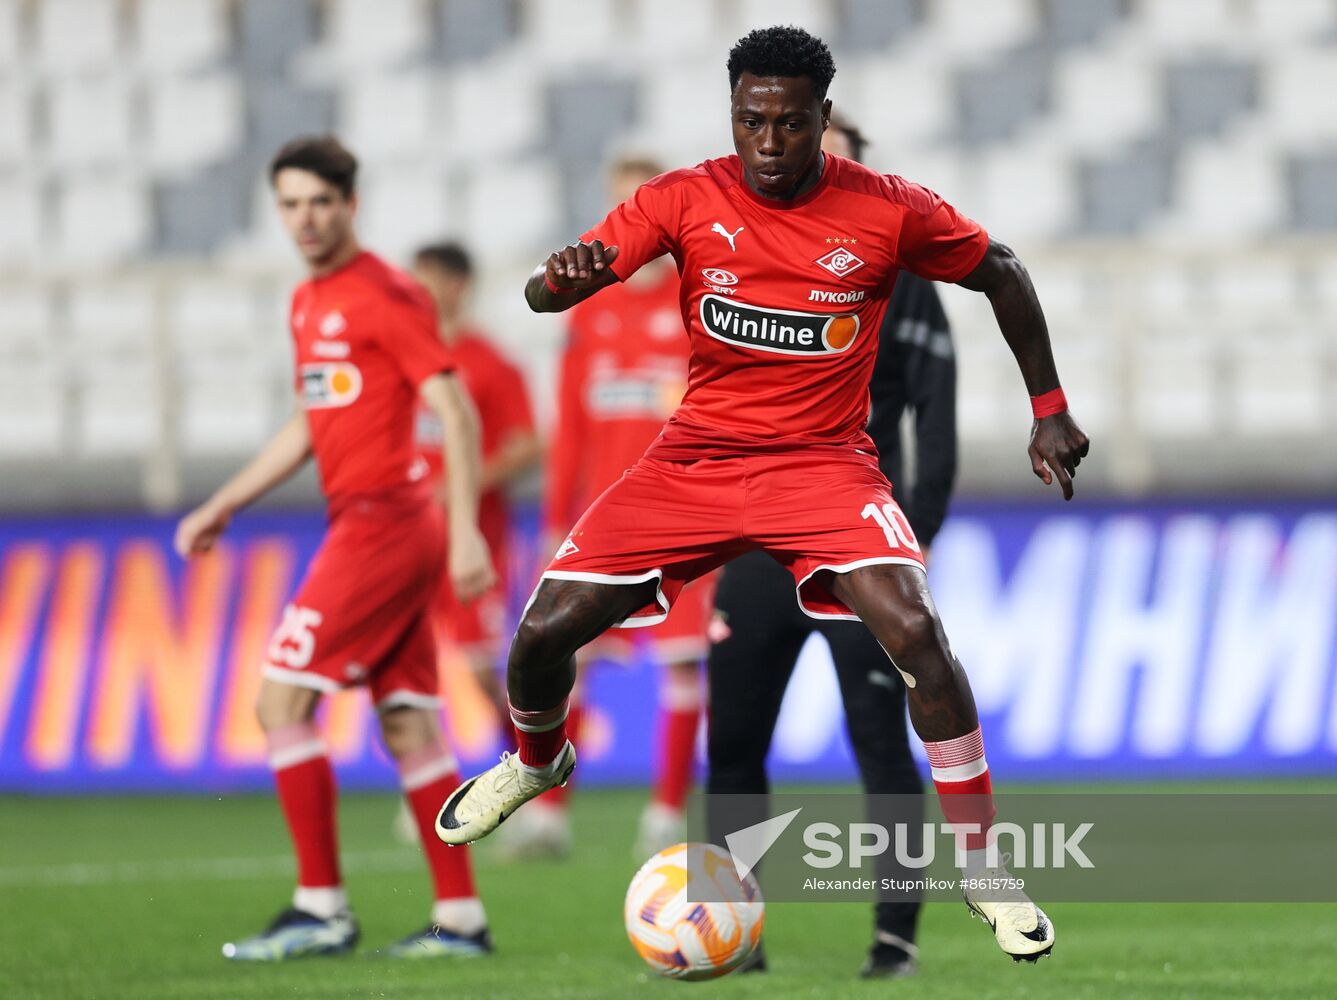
{"x":748,"y":674}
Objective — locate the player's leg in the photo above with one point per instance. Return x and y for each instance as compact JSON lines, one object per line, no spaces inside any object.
{"x":562,"y":616}
{"x":653,"y":531}
{"x":873,"y":695}
{"x":428,"y":773}
{"x":319,"y":920}
{"x":893,"y":600}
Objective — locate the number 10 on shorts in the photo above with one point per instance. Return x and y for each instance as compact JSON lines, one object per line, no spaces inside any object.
{"x":891,"y":519}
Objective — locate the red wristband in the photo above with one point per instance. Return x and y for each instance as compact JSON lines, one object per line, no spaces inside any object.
{"x":553,"y":288}
{"x":1048,"y":403}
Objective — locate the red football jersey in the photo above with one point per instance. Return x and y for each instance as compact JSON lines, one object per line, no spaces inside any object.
{"x":623,"y":374}
{"x":499,"y":393}
{"x":783,"y":300}
{"x":364,"y":339}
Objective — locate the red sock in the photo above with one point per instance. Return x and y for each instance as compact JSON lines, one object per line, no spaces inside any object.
{"x":428,"y":776}
{"x":961,"y":775}
{"x":679,"y":717}
{"x":305,"y":783}
{"x":556,"y":796}
{"x":540,"y":735}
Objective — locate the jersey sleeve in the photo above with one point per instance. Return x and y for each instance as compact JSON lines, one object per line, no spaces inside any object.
{"x":409,"y":336}
{"x":642,"y":228}
{"x":936,"y":241}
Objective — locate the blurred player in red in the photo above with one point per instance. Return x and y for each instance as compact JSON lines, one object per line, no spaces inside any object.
{"x":623,"y":373}
{"x":366,"y":350}
{"x":788,"y":258}
{"x":510,"y":449}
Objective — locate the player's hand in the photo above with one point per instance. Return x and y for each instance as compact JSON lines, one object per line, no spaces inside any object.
{"x":198,"y":531}
{"x":580,"y":265}
{"x":1057,"y":448}
{"x":471,"y":572}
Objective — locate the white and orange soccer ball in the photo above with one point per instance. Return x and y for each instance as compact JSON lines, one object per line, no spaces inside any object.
{"x":681,"y":939}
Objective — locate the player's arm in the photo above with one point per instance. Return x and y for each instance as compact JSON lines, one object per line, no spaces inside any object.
{"x":285,"y":453}
{"x":1057,"y":445}
{"x":520,"y":448}
{"x":570,"y":275}
{"x":471,"y":570}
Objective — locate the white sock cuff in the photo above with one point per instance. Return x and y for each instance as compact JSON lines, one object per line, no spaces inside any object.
{"x":321,"y":901}
{"x":464,"y":915}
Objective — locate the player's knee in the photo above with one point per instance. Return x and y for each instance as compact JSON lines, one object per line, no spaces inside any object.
{"x":910,"y":629}
{"x":280,"y":705}
{"x":543,"y":637}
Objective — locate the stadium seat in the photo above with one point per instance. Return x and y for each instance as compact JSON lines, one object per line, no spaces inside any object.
{"x":16,"y":122}
{"x":23,"y":235}
{"x":1248,"y":288}
{"x":404,"y":207}
{"x":1289,"y":86}
{"x":512,"y":211}
{"x":174,"y":36}
{"x":1028,"y":192}
{"x":871,"y":92}
{"x":554,"y":36}
{"x":12,"y":41}
{"x":1124,"y":191}
{"x":1207,"y":94}
{"x":384,"y":33}
{"x":1225,"y":190}
{"x":270,"y":33}
{"x":76,"y":36}
{"x":667,"y":32}
{"x":1104,"y":98}
{"x":1178,"y":391}
{"x":815,"y":17}
{"x":474,"y":91}
{"x":966,"y":28}
{"x":1291,"y":21}
{"x":226,"y":411}
{"x":91,"y":122}
{"x":472,"y":29}
{"x":1279,"y":383}
{"x":118,"y":410}
{"x":27,"y":318}
{"x":1001,"y":96}
{"x":196,"y":121}
{"x":1186,"y":25}
{"x":109,"y":322}
{"x":1081,"y":23}
{"x":872,"y":26}
{"x":377,"y":135}
{"x":208,"y":318}
{"x":101,"y":218}
{"x":32,"y":410}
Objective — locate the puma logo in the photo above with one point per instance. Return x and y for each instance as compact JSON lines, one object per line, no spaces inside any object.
{"x":719,"y":228}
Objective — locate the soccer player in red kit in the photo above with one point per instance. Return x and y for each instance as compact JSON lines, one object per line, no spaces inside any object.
{"x":366,"y":349}
{"x":510,"y":449}
{"x":788,"y":257}
{"x":623,"y":373}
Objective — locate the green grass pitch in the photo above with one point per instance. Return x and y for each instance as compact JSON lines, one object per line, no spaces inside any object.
{"x":131,"y":897}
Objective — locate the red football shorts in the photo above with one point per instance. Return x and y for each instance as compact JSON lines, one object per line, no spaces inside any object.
{"x":817,"y":511}
{"x":362,"y":613}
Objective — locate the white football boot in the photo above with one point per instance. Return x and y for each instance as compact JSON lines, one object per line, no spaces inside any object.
{"x":483,"y":803}
{"x":1020,"y":927}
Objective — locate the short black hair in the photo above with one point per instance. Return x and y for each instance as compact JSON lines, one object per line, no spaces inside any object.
{"x":783,"y":50}
{"x":449,"y":256}
{"x":323,"y":155}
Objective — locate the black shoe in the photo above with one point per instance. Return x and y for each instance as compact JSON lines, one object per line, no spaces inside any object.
{"x":756,"y":962}
{"x":891,"y":957}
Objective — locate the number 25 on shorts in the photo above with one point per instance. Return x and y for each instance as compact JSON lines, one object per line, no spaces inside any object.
{"x":891,"y":519}
{"x":294,"y":641}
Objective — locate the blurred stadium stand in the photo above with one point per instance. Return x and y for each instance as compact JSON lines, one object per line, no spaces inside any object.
{"x":1168,"y":170}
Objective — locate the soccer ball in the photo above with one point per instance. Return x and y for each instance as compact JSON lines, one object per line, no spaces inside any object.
{"x":681,"y":939}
